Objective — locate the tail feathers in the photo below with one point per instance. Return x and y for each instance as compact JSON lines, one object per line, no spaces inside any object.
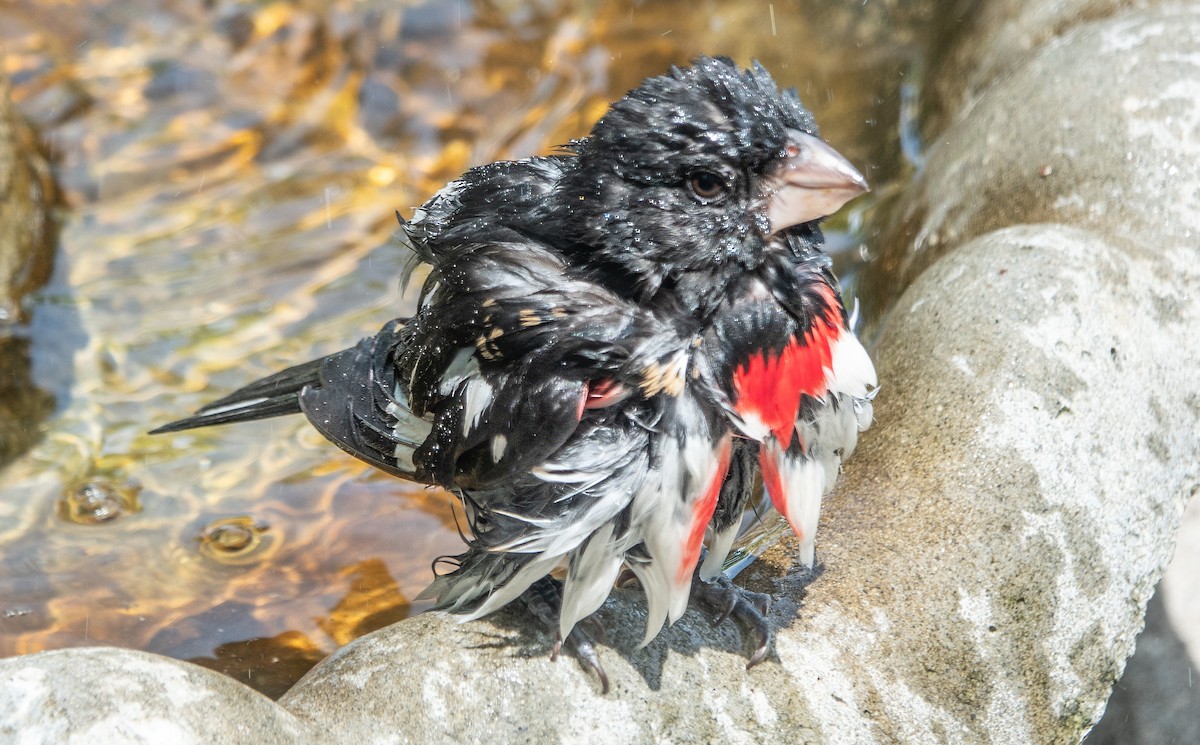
{"x":591,"y":573}
{"x":359,"y":407}
{"x":274,"y":395}
{"x":486,"y":581}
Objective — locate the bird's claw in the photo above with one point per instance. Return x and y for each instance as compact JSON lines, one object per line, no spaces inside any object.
{"x":585,"y":650}
{"x":578,"y":641}
{"x":747,"y":606}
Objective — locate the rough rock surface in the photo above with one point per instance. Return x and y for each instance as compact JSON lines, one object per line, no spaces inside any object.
{"x":105,"y":696}
{"x":1000,"y":36}
{"x":1157,"y":700}
{"x":987,"y":558}
{"x":1097,"y":130}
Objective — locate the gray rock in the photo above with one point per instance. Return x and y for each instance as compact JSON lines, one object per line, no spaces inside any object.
{"x":1044,"y":476}
{"x":1181,"y":590}
{"x":122,"y":696}
{"x":999,"y":36}
{"x":986,"y":559}
{"x":1157,"y":700}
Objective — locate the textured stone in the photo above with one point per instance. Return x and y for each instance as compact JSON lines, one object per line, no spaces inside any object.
{"x":100,"y":696}
{"x":1098,"y":130}
{"x":986,"y":559}
{"x":1157,"y":700}
{"x":26,"y":252}
{"x":1000,"y":35}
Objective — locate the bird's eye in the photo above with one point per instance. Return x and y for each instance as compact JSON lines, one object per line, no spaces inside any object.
{"x":707,"y":185}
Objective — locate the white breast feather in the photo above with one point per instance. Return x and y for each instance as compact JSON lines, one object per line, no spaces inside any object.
{"x":851,"y":371}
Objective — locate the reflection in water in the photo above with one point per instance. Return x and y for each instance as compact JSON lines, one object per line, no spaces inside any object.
{"x":270,"y":665}
{"x":231,"y":170}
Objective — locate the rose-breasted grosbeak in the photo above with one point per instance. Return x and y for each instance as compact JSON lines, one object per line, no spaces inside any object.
{"x":608,"y":344}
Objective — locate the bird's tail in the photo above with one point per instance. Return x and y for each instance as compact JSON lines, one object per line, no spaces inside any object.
{"x":274,"y":395}
{"x":484,"y":581}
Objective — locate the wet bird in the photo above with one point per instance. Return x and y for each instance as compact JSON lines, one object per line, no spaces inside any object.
{"x":609,"y":345}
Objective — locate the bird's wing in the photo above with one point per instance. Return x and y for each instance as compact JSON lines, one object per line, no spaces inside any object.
{"x":510,"y":352}
{"x":544,"y":397}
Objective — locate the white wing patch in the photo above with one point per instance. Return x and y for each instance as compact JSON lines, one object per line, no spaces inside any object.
{"x":499,"y":445}
{"x":409,"y":431}
{"x":476,"y":398}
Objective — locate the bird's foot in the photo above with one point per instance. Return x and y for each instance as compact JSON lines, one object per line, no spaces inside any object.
{"x":579,"y":642}
{"x":730,"y":600}
{"x":584,"y":648}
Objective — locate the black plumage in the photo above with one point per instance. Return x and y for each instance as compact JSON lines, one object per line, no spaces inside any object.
{"x":610,"y":343}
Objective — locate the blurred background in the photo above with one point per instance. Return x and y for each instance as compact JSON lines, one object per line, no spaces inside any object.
{"x":225,"y":177}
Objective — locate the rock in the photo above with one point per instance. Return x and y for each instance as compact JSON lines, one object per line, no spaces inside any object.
{"x":122,"y":696}
{"x":1001,"y":35}
{"x":1181,"y":588}
{"x":1043,"y":480}
{"x":22,"y":404}
{"x":986,"y":559}
{"x":1156,"y":701}
{"x":26,"y":252}
{"x":1095,"y":131}
{"x":26,"y":196}
{"x":1114,"y":155}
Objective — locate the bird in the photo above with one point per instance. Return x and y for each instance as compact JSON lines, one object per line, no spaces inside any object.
{"x":611,"y":343}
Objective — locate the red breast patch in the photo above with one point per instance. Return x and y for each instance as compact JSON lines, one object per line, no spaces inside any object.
{"x":769,"y":385}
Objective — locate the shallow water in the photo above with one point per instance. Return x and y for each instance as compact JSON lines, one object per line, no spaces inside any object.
{"x":231,"y":171}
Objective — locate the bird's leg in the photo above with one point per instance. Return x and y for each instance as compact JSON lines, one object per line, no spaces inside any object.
{"x":731,"y":600}
{"x":578,"y":641}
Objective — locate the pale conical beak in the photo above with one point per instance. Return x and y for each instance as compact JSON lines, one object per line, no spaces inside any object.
{"x":812,"y":181}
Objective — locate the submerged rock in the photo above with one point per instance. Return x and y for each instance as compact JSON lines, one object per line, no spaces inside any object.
{"x":26,"y":255}
{"x":26,"y":196}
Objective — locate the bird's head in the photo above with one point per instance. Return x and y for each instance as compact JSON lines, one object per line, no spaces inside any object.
{"x":699,"y":171}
